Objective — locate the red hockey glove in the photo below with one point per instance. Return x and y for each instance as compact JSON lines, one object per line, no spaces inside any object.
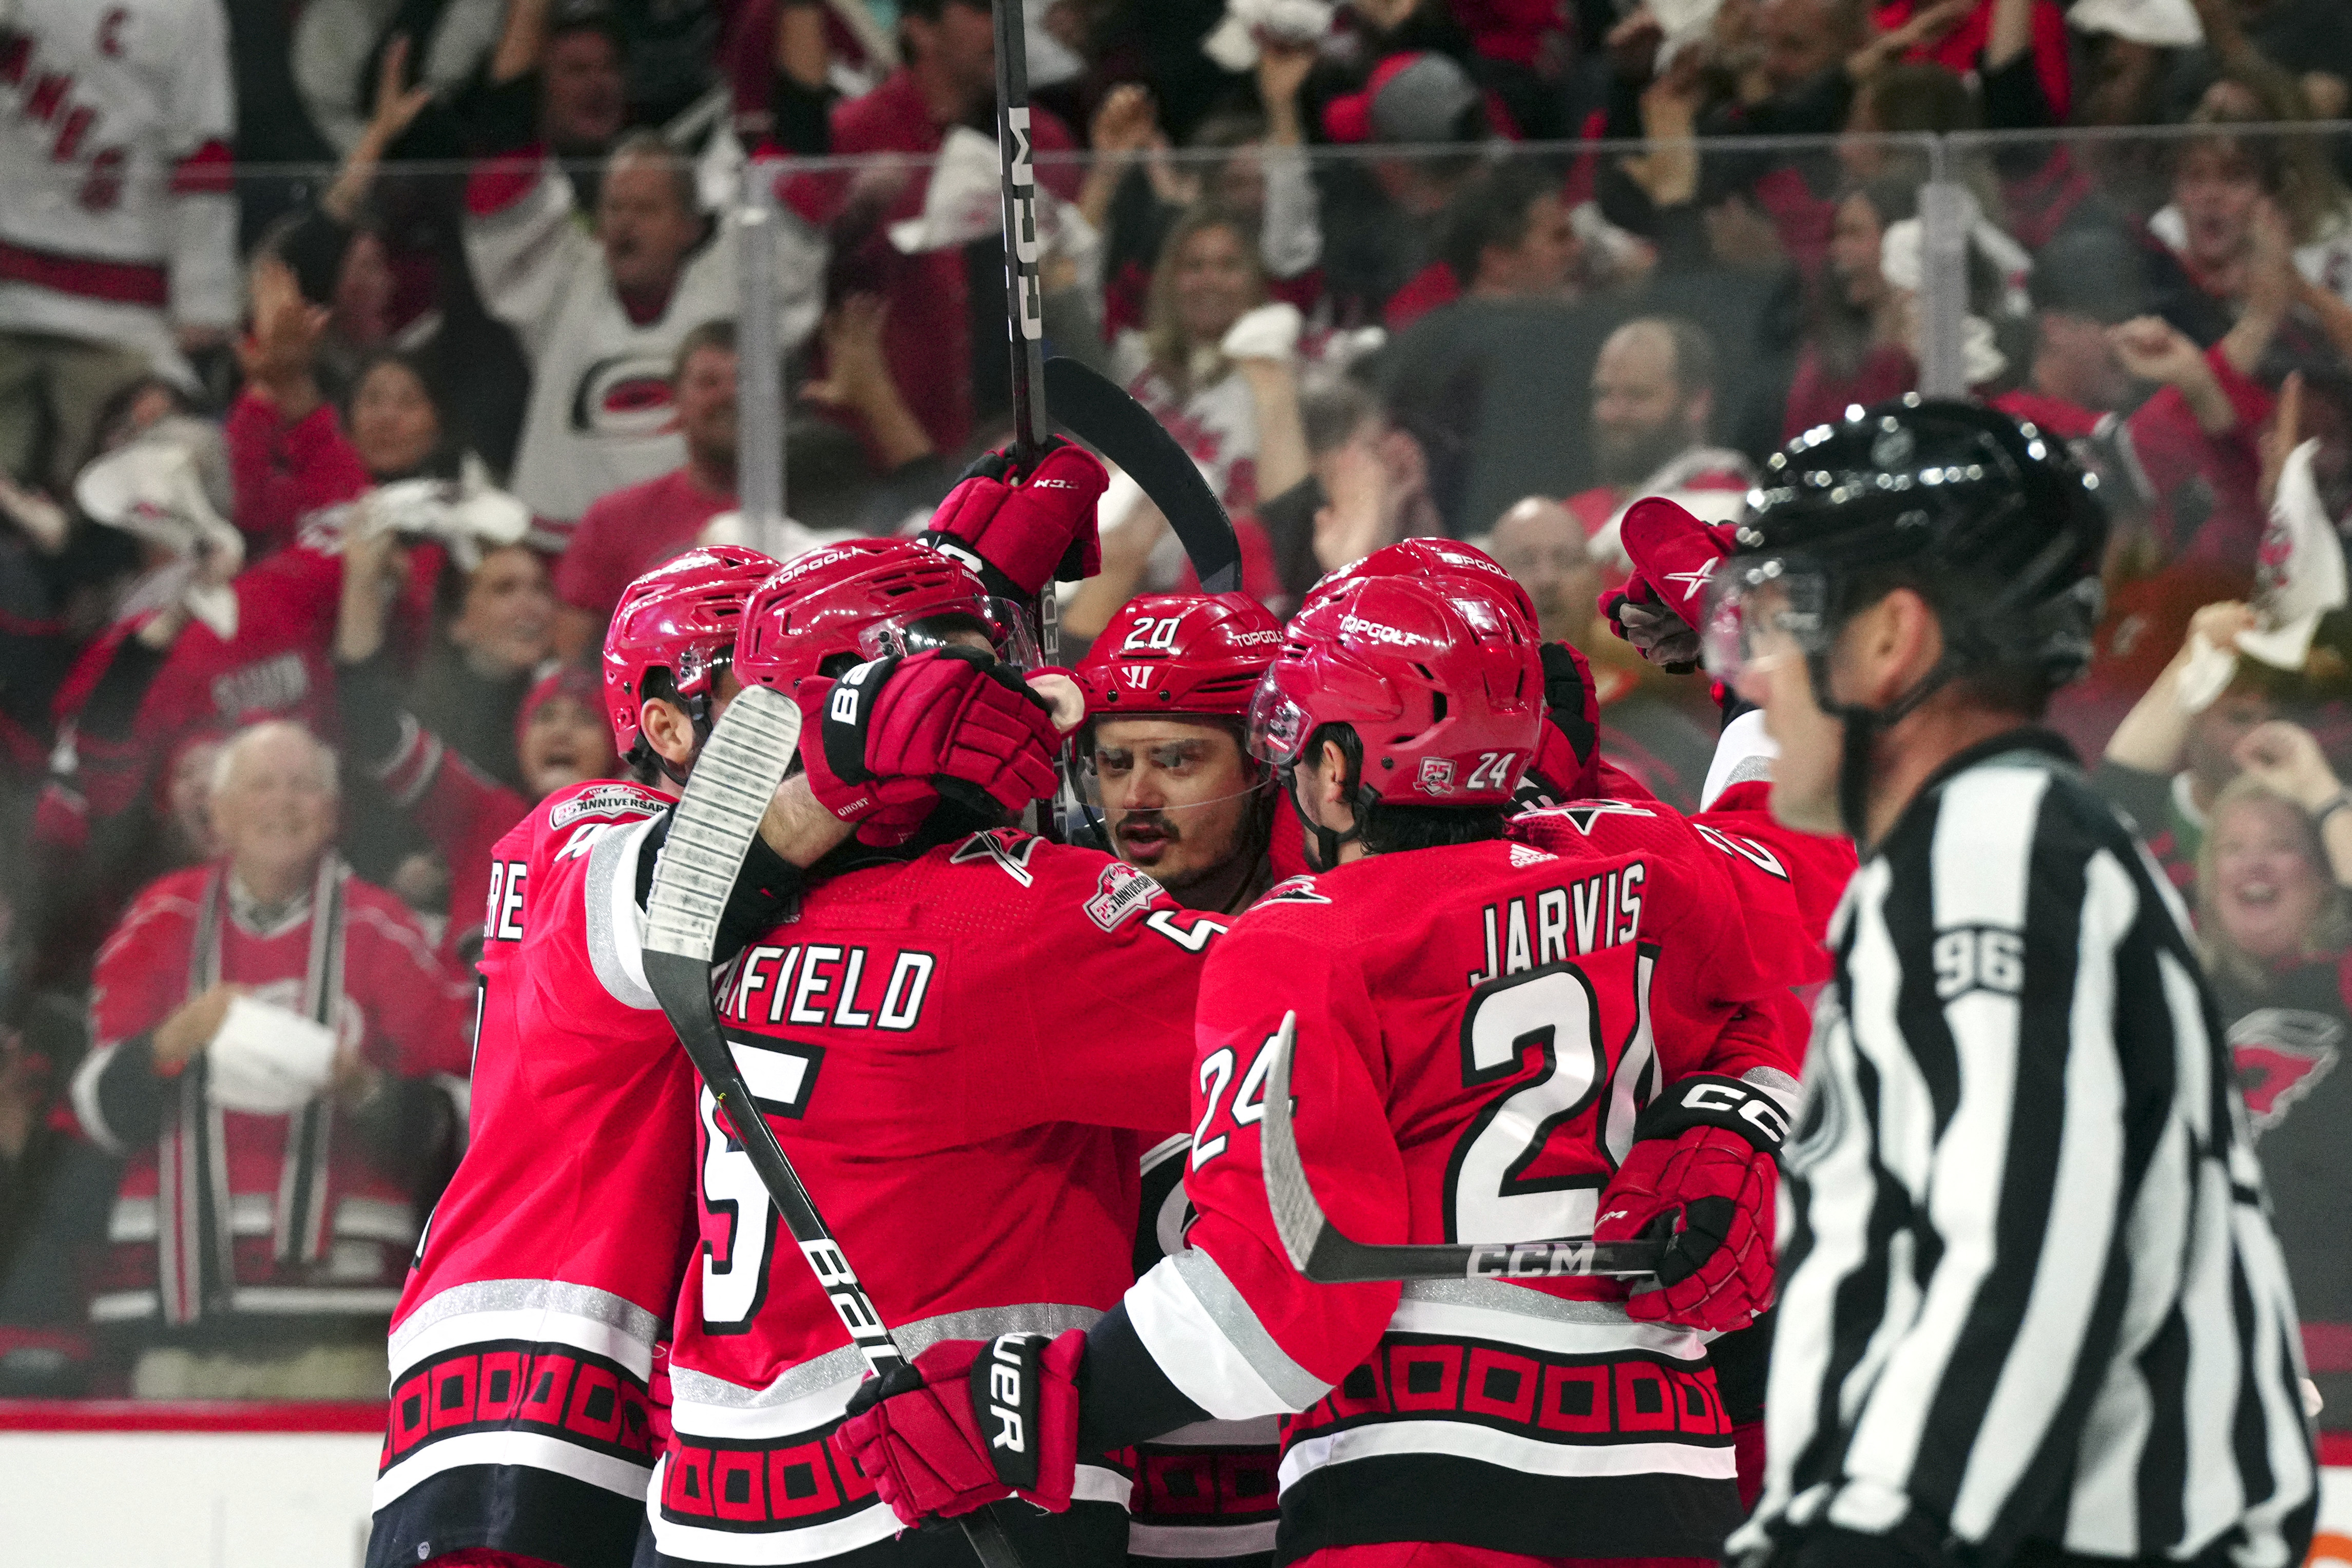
{"x":1021,"y":531}
{"x":970,"y":1421}
{"x":1673,"y":554}
{"x":1704,"y":1154}
{"x":884,"y":742}
{"x":1567,"y":747}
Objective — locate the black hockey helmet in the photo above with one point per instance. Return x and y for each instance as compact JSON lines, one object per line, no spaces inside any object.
{"x":1991,"y":520}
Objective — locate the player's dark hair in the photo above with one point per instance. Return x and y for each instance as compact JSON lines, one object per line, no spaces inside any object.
{"x":1383,"y":826}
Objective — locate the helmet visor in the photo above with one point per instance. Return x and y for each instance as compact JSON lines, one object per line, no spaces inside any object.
{"x":1170,"y":773}
{"x":1759,"y":613}
{"x":1278,"y":725}
{"x":998,"y":625}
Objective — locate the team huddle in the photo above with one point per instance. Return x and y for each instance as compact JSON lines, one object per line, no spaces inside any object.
{"x":1026,"y":1082}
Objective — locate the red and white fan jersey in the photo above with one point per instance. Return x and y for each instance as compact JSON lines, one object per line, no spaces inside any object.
{"x":1477,"y":1028}
{"x":524,"y":1351}
{"x":115,"y":117}
{"x":964,"y":1055}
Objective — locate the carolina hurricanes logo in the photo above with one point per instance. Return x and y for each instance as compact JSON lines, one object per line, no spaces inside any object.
{"x":626,"y":395}
{"x":2282,"y":1055}
{"x":1436,"y":775}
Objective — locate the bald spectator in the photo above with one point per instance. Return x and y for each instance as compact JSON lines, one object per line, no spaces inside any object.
{"x":1653,"y":397}
{"x":268,"y":1029}
{"x":1539,"y":542}
{"x":1648,"y":727}
{"x":630,"y":531}
{"x":601,"y":317}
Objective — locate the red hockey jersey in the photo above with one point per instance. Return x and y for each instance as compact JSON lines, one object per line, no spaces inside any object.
{"x":1477,"y":1028}
{"x":964,"y":1055}
{"x":523,"y":1350}
{"x":1786,"y":882}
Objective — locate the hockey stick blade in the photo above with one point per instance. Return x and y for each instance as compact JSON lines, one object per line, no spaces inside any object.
{"x":1318,"y":1250}
{"x":1099,"y":413}
{"x":747,"y":755}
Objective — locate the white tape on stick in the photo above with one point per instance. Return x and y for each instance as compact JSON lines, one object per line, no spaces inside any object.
{"x":750,"y":750}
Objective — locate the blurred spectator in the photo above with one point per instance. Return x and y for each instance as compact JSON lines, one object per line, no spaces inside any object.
{"x":1234,"y":410}
{"x":2171,"y":756}
{"x":1856,"y":347}
{"x":601,"y":319}
{"x":1647,"y":725}
{"x":1653,"y":398}
{"x":479,"y":732}
{"x":287,"y":447}
{"x":496,"y":629}
{"x":2276,"y":936}
{"x":117,"y":238}
{"x":1332,"y":413}
{"x":1476,"y":379}
{"x":1953,"y":34}
{"x":268,"y":1027}
{"x":629,"y":531}
{"x":1793,"y":65}
{"x":943,"y":335}
{"x":1133,"y":192}
{"x":1384,"y":217}
{"x":1540,"y":542}
{"x":556,"y":83}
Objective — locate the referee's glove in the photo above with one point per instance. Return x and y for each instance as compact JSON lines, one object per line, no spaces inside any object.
{"x":1703,"y":1168}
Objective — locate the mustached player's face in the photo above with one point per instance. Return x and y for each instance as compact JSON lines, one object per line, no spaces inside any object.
{"x":1177,"y":797}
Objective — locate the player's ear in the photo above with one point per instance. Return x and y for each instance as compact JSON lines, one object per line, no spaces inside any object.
{"x":668,"y":730}
{"x":1331,"y":783}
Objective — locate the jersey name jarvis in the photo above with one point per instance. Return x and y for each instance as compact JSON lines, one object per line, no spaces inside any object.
{"x":969,"y":1120}
{"x":1477,"y":1028}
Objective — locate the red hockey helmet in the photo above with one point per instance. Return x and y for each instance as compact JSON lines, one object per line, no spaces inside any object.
{"x":680,"y":617}
{"x":1434,"y":560}
{"x":1180,"y":653}
{"x":858,"y":598}
{"x":1442,"y":683}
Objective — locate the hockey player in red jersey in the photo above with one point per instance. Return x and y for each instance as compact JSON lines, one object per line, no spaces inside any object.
{"x":968,"y":1127}
{"x":1166,"y":748}
{"x":525,"y":1353}
{"x":1492,"y":1043}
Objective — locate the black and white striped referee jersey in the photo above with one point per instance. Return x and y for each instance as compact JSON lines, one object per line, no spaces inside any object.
{"x":2030,"y":1298}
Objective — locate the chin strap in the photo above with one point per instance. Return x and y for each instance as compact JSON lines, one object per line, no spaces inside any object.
{"x":1861,"y":725}
{"x":1323,"y":851}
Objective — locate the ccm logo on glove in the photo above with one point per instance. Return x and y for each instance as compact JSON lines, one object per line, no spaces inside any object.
{"x":1721,"y":1103}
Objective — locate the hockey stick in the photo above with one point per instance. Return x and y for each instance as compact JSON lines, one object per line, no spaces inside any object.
{"x":1099,"y":413}
{"x":1024,"y":293}
{"x":747,"y":755}
{"x":1320,"y":1252}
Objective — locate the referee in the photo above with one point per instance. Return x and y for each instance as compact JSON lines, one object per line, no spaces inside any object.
{"x":2032,"y":1309}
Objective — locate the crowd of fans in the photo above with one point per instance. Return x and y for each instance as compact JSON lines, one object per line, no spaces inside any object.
{"x":354,"y":354}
